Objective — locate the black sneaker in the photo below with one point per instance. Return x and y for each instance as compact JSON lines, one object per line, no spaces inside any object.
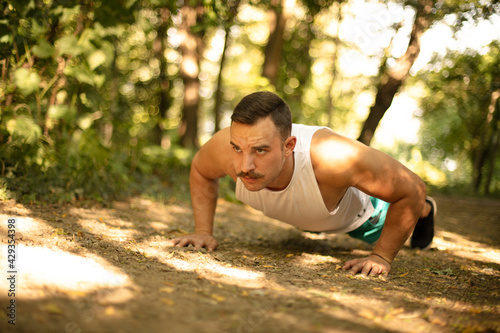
{"x":424,"y":230}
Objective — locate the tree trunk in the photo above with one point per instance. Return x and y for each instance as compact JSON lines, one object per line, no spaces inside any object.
{"x":488,"y":145}
{"x":278,"y":17}
{"x":495,"y":146}
{"x":218,"y":90}
{"x":233,"y":10}
{"x":163,"y":96}
{"x":392,"y":79}
{"x":478,"y":168}
{"x":191,"y":48}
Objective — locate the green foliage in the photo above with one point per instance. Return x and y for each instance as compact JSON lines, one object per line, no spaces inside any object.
{"x":67,"y":128}
{"x":456,"y":125}
{"x":461,"y":11}
{"x":91,"y":96}
{"x":27,"y":82}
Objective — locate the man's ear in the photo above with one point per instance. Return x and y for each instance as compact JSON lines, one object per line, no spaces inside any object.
{"x":290,"y":145}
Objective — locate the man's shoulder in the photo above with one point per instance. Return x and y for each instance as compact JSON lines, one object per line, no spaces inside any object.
{"x":215,"y":154}
{"x":220,"y":143}
{"x":333,"y":153}
{"x":326,"y":140}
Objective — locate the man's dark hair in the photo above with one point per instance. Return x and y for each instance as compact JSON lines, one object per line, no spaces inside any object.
{"x":262,"y":104}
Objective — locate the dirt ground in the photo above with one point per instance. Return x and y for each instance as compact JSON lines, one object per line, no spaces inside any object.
{"x":89,"y":268}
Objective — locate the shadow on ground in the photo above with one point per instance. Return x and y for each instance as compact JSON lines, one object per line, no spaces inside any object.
{"x":111,"y":269}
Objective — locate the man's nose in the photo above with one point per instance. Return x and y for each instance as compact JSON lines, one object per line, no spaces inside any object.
{"x":247,"y":163}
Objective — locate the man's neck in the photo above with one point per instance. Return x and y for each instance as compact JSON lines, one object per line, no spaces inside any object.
{"x":284,"y":178}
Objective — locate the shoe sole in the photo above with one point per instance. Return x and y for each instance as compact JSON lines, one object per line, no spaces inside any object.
{"x":433,"y":204}
{"x":434,"y":210}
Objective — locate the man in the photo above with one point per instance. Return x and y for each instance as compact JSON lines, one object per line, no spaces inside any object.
{"x":312,"y":178}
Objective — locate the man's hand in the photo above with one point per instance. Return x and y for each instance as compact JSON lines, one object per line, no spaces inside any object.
{"x":197,"y":240}
{"x":369,"y":266}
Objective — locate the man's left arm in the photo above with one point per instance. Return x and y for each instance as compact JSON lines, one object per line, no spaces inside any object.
{"x":379,"y":175}
{"x":399,"y":224}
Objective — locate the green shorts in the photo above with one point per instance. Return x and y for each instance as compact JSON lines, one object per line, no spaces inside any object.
{"x":370,"y":230}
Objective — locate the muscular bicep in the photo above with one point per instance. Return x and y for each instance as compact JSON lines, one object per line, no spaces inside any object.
{"x":381,"y":176}
{"x":341,"y":162}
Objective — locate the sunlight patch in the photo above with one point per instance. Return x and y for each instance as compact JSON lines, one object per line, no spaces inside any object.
{"x":25,"y":227}
{"x":315,"y":259}
{"x":465,"y":248}
{"x":40,"y":267}
{"x":215,"y":271}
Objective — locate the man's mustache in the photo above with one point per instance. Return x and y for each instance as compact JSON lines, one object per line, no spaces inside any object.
{"x":250,"y":174}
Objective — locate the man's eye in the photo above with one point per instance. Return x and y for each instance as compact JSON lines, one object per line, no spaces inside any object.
{"x":260,"y":151}
{"x":236,"y":149}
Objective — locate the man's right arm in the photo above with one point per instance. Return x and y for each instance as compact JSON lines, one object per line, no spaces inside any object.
{"x":208,"y":165}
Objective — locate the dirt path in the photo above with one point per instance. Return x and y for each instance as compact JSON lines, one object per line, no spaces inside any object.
{"x":91,"y":269}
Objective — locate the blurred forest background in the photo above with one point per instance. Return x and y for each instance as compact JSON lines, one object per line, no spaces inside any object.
{"x":105,"y":98}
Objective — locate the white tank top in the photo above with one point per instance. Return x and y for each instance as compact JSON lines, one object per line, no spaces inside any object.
{"x":300,"y":203}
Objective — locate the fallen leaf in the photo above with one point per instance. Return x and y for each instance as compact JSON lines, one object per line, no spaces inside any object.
{"x":52,"y":308}
{"x":167,"y":290}
{"x":177,"y":232}
{"x":59,"y":231}
{"x":218,"y":298}
{"x":404,"y":274}
{"x":365,"y":313}
{"x":167,"y":301}
{"x":289,"y":255}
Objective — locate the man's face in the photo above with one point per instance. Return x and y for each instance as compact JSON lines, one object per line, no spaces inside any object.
{"x":258,"y":153}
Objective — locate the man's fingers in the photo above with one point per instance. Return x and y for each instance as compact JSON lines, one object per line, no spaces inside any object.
{"x":212,"y":245}
{"x":198,"y":244}
{"x":356,"y":268}
{"x":182,"y":242}
{"x":375,"y":271}
{"x":366,"y":267}
{"x":197,"y":241}
{"x":349,"y":264}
